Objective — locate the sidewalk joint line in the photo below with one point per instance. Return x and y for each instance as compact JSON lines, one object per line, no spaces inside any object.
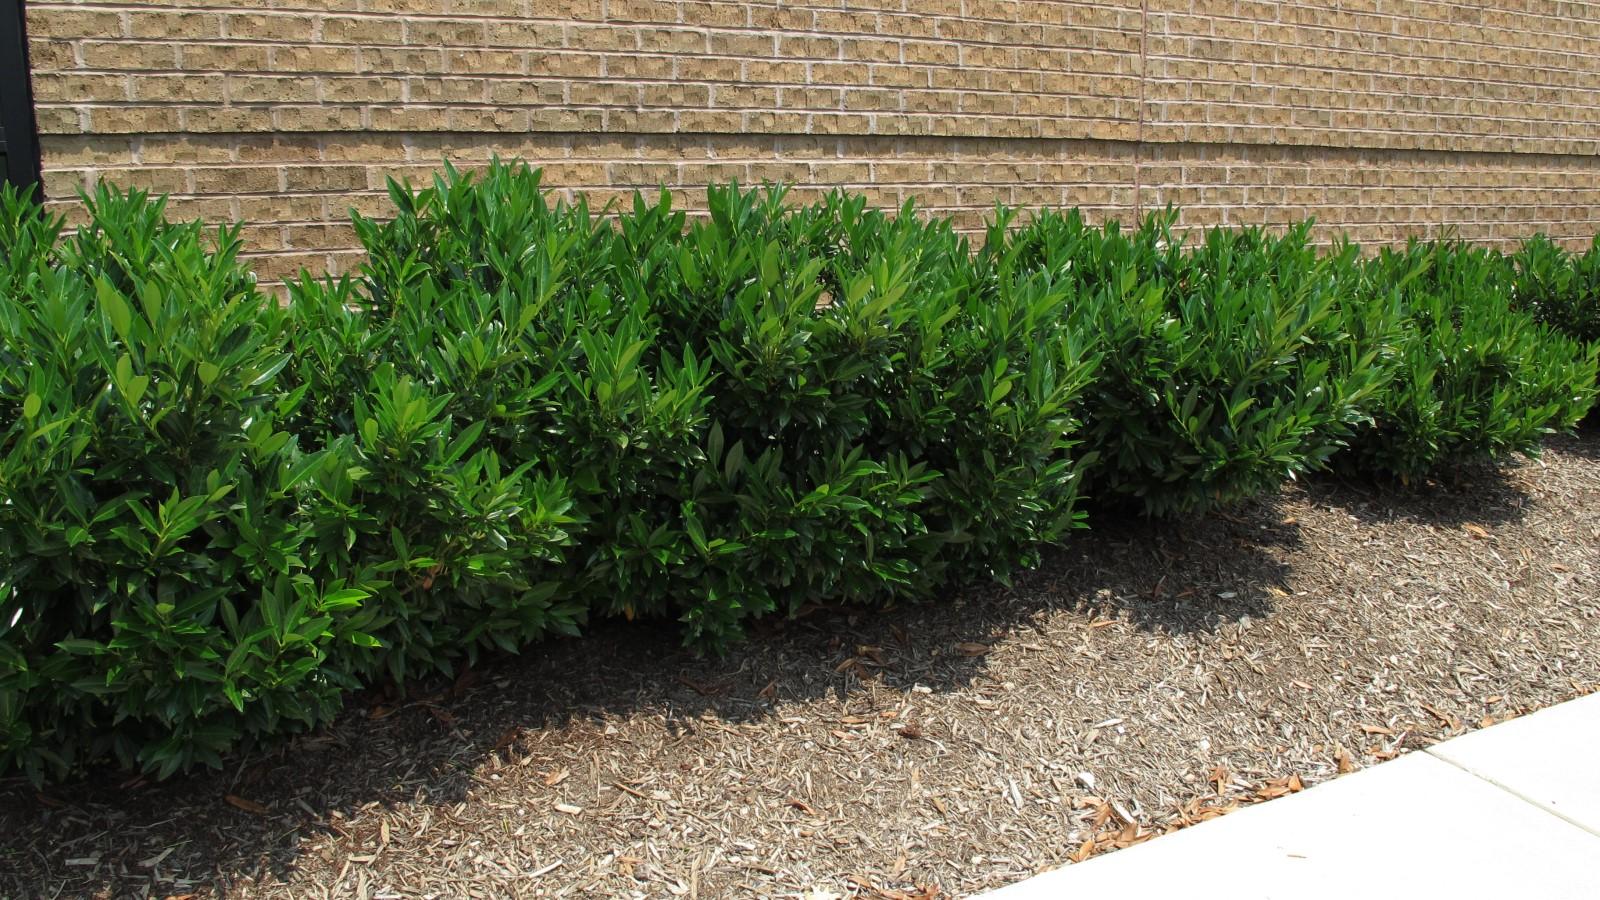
{"x":1515,"y":793}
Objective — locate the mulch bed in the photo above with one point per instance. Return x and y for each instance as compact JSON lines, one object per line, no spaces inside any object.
{"x":1148,"y":676}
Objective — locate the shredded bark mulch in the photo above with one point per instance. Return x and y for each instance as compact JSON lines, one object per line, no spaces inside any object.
{"x":1148,"y":676}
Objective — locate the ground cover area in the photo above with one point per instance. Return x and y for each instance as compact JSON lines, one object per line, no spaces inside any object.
{"x":1150,"y":675}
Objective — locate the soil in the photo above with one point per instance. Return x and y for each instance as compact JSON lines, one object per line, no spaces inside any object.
{"x":1149,"y":675}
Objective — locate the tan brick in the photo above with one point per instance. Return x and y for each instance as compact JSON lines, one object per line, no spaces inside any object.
{"x":317,"y":118}
{"x":210,"y":118}
{"x":67,"y":87}
{"x":279,"y":29}
{"x":301,"y":179}
{"x":206,"y":89}
{"x":444,"y":32}
{"x":128,"y":56}
{"x":60,"y":119}
{"x":225,"y":57}
{"x":317,"y":58}
{"x":151,"y":24}
{"x":363,"y":30}
{"x":361,"y":90}
{"x":50,"y":22}
{"x":300,"y":149}
{"x":238,"y":180}
{"x":447,"y":90}
{"x":50,"y":56}
{"x":132,"y":119}
{"x":401,"y":61}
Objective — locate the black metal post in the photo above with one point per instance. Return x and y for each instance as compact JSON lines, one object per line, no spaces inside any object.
{"x":19,"y":144}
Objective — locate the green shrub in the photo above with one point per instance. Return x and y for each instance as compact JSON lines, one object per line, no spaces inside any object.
{"x":1227,"y":367}
{"x":1560,"y":288}
{"x":768,"y":407}
{"x":218,"y":514}
{"x":884,"y":408}
{"x":153,"y":599}
{"x":486,"y":401}
{"x":1474,"y":379}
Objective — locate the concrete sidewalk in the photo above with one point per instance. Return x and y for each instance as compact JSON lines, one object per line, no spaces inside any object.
{"x":1512,"y":810}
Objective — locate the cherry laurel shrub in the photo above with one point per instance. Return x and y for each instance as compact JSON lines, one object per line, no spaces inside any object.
{"x":220,"y":514}
{"x":763,"y":408}
{"x":1228,"y":366}
{"x":1559,"y":287}
{"x":1475,"y":379}
{"x":155,"y":600}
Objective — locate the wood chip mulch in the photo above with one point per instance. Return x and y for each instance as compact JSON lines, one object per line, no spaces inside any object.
{"x":1150,"y":675}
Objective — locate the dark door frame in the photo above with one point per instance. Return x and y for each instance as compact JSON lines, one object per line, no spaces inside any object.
{"x":17,"y":130}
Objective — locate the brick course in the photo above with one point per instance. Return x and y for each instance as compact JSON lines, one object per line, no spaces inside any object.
{"x":1381,"y":117}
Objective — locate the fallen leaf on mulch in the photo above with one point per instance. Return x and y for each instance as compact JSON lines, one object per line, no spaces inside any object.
{"x":1477,"y":531}
{"x":1280,"y":787}
{"x":1084,"y":851}
{"x":1342,"y":759}
{"x":920,"y":892}
{"x":249,"y":806}
{"x":1446,"y":718}
{"x":972,"y":649}
{"x":1219,"y":777}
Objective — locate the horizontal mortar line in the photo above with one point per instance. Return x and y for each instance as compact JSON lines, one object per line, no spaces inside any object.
{"x":986,"y":209}
{"x":1334,"y":70}
{"x":337,"y":217}
{"x":846,"y":35}
{"x":539,"y":77}
{"x":294,"y":75}
{"x":1233,"y":104}
{"x":519,"y":77}
{"x":364,"y":14}
{"x":321,"y":14}
{"x":1063,"y":116}
{"x":1577,"y":86}
{"x":1125,"y":145}
{"x":1592,"y":145}
{"x":775,"y":5}
{"x":1397,"y":18}
{"x":1287,"y":132}
{"x":879,"y":35}
{"x":827,"y":162}
{"x":1317,"y":67}
{"x":490,"y":106}
{"x":385,"y":102}
{"x":1553,"y":813}
{"x":635,"y":27}
{"x":619,"y":107}
{"x":1167,"y":17}
{"x":726,"y":57}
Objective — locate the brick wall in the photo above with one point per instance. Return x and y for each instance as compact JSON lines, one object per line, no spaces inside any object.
{"x":1380,"y":117}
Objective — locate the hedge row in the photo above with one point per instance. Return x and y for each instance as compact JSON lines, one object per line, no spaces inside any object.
{"x":219,"y":514}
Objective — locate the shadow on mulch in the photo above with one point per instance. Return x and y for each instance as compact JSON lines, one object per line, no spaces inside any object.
{"x":1583,"y":442}
{"x":1168,"y":577}
{"x":1477,"y":494}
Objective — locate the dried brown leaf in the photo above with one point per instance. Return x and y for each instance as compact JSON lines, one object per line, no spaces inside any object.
{"x":249,"y":806}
